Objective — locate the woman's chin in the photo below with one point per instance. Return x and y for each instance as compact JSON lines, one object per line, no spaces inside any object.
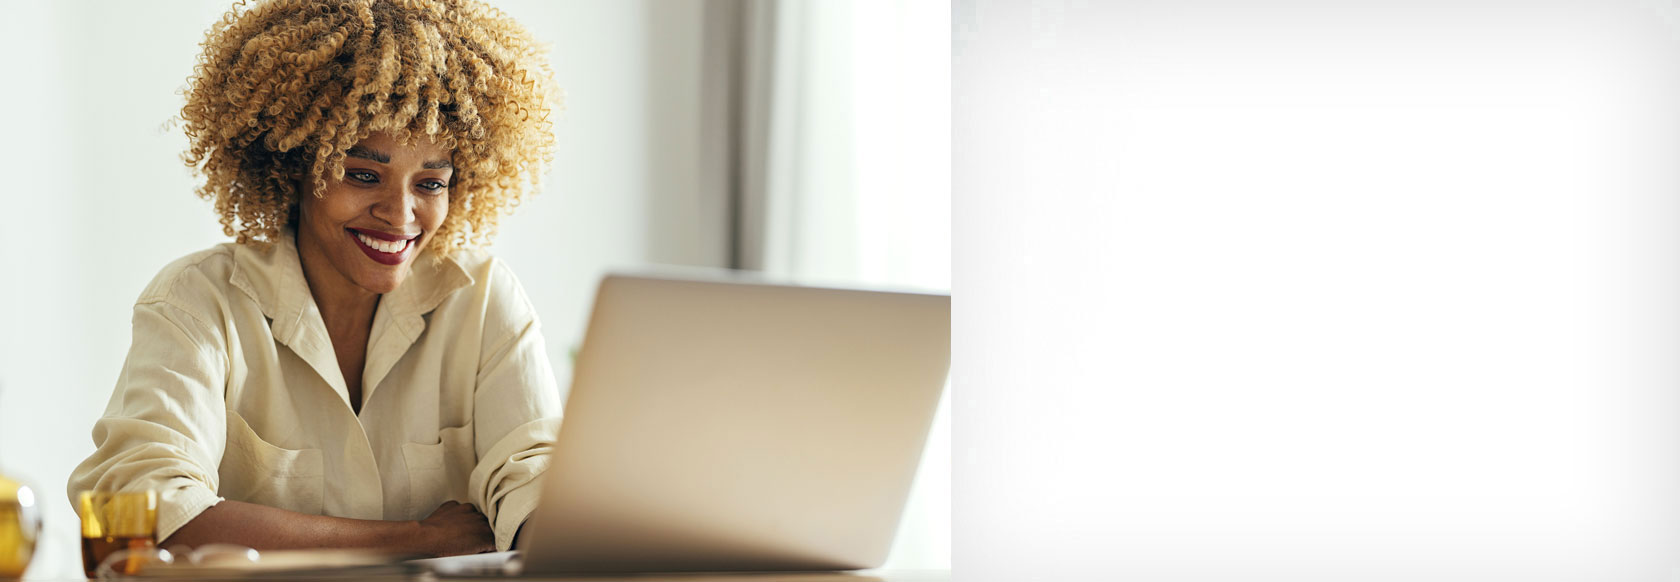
{"x":385,"y":282}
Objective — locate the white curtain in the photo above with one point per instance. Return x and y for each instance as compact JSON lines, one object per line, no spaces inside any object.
{"x":845,"y":117}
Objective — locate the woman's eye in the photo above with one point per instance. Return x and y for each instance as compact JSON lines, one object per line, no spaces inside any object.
{"x":433,"y":186}
{"x":363,"y":177}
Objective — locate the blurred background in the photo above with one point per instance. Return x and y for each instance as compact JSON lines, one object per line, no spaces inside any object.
{"x":808,"y":140}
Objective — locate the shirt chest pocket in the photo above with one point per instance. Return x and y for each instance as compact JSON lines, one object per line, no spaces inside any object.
{"x":255,"y":471}
{"x":438,"y":472}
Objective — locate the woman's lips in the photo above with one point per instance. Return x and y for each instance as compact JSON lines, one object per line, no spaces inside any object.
{"x":376,"y":246}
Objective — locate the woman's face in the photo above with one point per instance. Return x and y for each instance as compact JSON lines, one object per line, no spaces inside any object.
{"x":369,"y":226}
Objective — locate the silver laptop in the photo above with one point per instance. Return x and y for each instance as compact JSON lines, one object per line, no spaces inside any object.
{"x":733,"y":426}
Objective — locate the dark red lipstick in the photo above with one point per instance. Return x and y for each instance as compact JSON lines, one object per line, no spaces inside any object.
{"x":403,"y":244}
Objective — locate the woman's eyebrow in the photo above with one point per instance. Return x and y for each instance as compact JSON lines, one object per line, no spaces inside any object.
{"x":368,"y":154}
{"x":437,"y":165}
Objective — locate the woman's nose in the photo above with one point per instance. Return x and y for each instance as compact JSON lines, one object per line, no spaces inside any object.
{"x":394,"y":206}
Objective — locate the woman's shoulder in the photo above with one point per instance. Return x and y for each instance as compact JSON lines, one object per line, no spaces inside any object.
{"x":490,"y":282}
{"x":487,"y":272}
{"x":191,"y":276}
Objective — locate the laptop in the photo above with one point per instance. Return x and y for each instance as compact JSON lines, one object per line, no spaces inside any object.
{"x":727,"y":425}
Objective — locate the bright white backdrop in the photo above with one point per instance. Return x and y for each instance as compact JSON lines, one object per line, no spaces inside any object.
{"x":96,"y":201}
{"x":1317,"y":290}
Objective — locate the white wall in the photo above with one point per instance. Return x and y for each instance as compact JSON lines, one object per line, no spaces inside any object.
{"x":96,"y":201}
{"x":1332,"y":290}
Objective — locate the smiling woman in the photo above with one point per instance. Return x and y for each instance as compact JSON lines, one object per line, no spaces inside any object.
{"x":376,"y":192}
{"x":360,"y":152}
{"x":399,"y":202}
{"x":390,"y":202}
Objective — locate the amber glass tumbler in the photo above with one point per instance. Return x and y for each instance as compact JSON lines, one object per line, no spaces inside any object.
{"x":112,"y":521}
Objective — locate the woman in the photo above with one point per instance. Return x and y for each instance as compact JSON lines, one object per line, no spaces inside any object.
{"x":350,"y":372}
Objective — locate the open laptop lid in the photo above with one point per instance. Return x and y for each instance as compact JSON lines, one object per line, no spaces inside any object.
{"x":733,"y":426}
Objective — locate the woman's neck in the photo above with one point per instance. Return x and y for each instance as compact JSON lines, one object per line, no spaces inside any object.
{"x":346,"y":309}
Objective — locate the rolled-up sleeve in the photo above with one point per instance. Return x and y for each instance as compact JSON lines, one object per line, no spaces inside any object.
{"x":165,"y":426}
{"x":516,"y":412}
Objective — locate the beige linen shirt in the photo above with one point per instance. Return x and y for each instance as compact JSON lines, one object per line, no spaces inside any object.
{"x":231,"y":390}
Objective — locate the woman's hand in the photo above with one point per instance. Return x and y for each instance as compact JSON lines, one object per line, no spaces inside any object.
{"x":455,"y":529}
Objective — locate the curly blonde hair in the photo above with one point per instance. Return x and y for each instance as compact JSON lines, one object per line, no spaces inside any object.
{"x":284,"y":88}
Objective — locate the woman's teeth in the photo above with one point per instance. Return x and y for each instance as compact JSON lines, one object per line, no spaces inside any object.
{"x":384,"y":246}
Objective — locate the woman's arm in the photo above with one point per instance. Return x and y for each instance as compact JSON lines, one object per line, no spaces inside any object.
{"x":165,"y":427}
{"x":452,"y":529}
{"x":516,"y":409}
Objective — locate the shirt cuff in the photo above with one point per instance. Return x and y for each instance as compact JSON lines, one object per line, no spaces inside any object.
{"x":180,"y":501}
{"x":516,"y":506}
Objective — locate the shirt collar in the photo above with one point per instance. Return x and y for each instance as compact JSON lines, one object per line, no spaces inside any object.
{"x":272,"y":276}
